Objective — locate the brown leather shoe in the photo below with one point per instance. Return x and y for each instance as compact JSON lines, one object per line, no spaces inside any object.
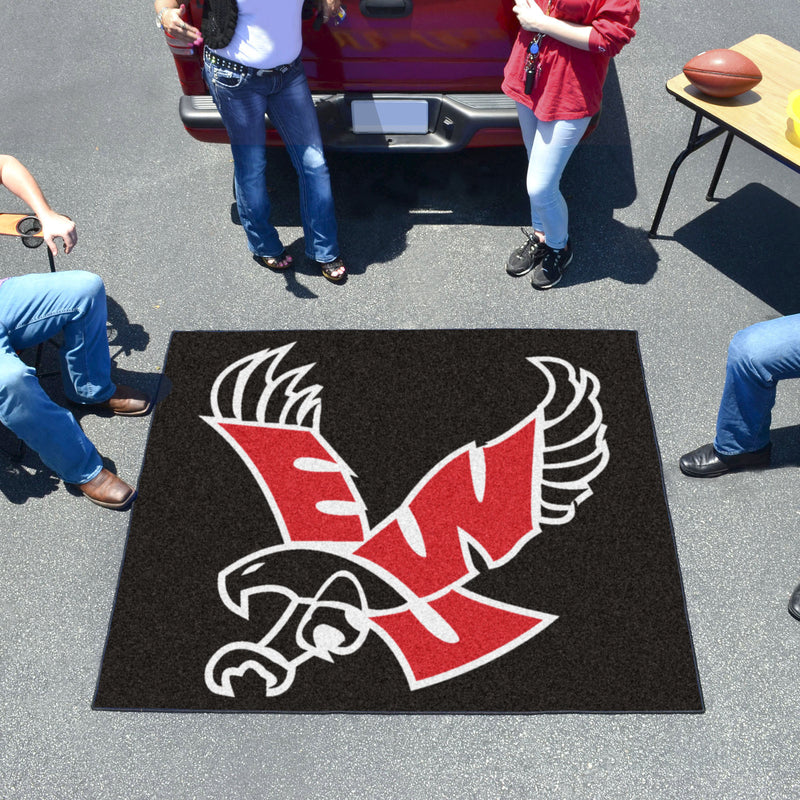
{"x":127,"y":402}
{"x":109,"y":491}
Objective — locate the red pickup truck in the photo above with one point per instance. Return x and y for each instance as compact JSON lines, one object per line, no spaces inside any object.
{"x":402,"y":75}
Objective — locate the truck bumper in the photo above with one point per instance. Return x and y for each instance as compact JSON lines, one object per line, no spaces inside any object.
{"x":454,"y":121}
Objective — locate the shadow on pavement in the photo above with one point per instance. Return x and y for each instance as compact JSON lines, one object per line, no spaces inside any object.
{"x":122,"y":333}
{"x":20,"y":481}
{"x":785,"y":446}
{"x":599,"y":179}
{"x":380,"y":197}
{"x":753,"y":237}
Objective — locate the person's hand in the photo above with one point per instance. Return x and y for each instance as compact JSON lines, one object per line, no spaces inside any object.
{"x":175,"y":26}
{"x":57,"y":226}
{"x":329,"y":8}
{"x":530,"y":16}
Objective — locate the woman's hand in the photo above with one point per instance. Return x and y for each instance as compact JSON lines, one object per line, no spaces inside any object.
{"x":172,"y":20}
{"x":329,"y":8}
{"x":530,"y":16}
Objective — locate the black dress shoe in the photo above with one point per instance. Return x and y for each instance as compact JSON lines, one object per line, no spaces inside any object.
{"x":794,"y":602}
{"x":706,"y":462}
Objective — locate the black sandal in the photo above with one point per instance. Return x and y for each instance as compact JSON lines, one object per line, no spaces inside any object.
{"x":274,"y":262}
{"x":328,"y":268}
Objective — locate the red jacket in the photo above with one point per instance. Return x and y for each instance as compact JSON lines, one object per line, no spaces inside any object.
{"x":570,"y":83}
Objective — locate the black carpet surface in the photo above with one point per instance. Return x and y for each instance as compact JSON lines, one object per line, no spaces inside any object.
{"x":451,"y":521}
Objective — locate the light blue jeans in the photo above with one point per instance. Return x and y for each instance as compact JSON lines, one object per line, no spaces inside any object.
{"x":549,"y":146}
{"x":34,"y":308}
{"x":758,"y":357}
{"x":243,"y":100}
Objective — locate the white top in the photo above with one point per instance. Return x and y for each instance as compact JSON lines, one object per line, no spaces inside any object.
{"x":267,"y":34}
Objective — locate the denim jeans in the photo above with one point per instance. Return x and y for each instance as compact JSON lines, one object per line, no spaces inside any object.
{"x":243,"y":100}
{"x":549,"y":146}
{"x":33,"y":308}
{"x":758,"y":357}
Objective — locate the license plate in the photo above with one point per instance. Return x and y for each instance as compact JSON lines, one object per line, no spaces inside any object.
{"x":389,"y":116}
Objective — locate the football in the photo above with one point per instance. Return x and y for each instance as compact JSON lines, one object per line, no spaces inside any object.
{"x":722,"y":73}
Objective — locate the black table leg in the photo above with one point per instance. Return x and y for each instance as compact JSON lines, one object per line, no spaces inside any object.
{"x":720,"y":164}
{"x":696,"y":141}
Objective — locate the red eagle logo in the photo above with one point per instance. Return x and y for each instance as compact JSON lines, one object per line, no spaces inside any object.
{"x":406,"y":578}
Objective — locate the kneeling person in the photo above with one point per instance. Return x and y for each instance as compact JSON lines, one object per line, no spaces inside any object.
{"x":33,"y":309}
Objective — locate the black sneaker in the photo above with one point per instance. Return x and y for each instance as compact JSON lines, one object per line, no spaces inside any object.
{"x":525,"y":258}
{"x":552,"y":267}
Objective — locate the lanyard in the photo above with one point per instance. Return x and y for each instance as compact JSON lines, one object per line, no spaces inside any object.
{"x":532,"y":57}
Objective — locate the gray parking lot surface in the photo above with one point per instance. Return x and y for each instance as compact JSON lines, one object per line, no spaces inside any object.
{"x":89,"y":104}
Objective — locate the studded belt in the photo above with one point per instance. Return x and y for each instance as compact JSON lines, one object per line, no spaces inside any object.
{"x":235,"y":66}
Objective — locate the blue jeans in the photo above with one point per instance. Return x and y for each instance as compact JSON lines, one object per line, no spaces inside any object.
{"x":549,"y":146}
{"x":33,"y":308}
{"x":758,"y":357}
{"x":243,"y":100}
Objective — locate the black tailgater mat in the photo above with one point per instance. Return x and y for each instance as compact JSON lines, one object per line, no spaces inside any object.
{"x":435,"y":521}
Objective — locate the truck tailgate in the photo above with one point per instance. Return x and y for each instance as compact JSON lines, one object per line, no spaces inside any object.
{"x":412,"y":45}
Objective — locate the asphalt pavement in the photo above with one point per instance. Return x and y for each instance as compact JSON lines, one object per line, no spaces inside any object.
{"x":89,"y":104}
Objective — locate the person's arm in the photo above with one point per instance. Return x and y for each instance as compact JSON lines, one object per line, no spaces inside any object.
{"x":610,"y":31}
{"x":532,"y":18}
{"x":20,"y":182}
{"x":171,"y":17}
